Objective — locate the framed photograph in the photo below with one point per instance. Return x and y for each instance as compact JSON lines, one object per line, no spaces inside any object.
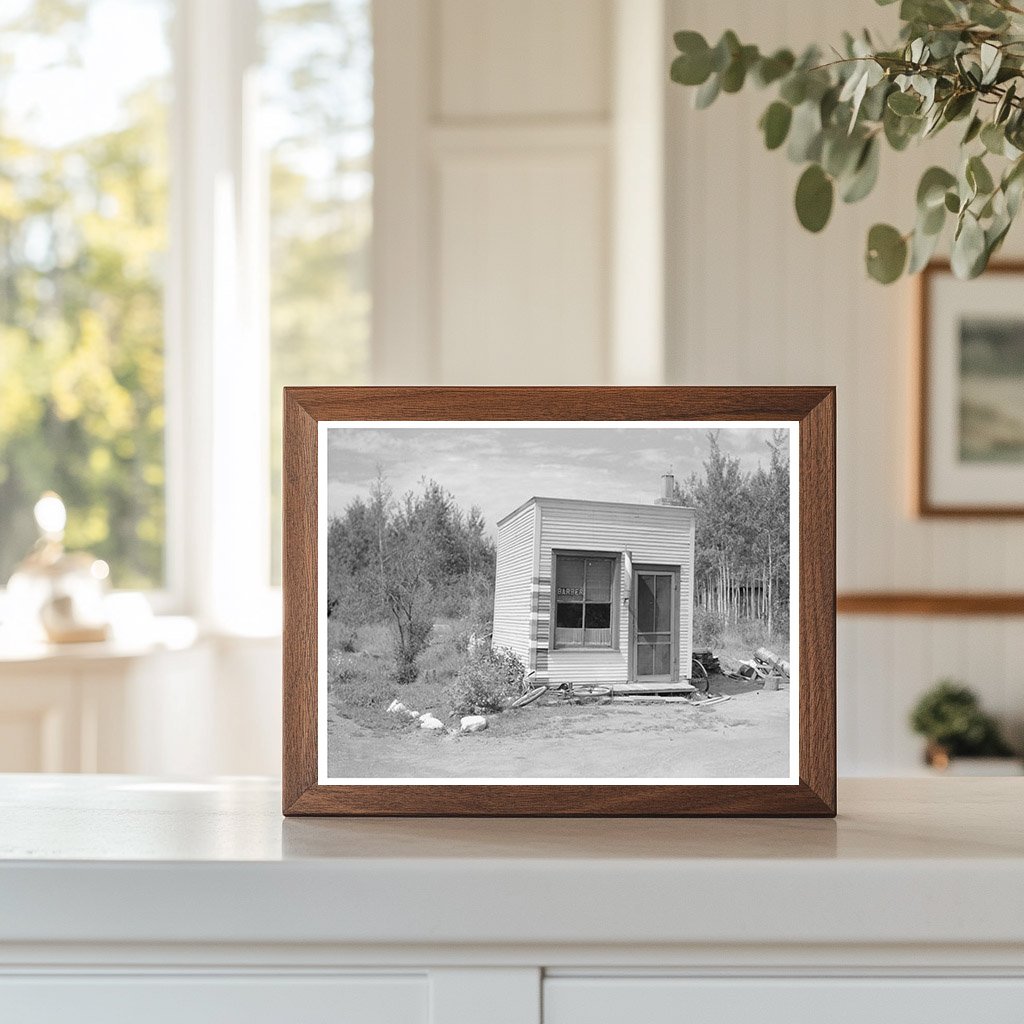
{"x":559,"y":601}
{"x":970,"y":445}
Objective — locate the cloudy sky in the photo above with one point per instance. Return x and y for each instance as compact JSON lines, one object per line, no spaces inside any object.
{"x":498,"y":468}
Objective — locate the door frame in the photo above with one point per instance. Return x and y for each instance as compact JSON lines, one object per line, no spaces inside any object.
{"x":667,"y":570}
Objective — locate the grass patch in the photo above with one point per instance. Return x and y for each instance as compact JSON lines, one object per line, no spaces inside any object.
{"x":451,"y":681}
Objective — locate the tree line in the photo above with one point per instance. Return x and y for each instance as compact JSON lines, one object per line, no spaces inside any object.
{"x":742,"y":536}
{"x":408,"y":561}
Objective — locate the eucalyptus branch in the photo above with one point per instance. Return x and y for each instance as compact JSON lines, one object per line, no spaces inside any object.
{"x":955,"y":61}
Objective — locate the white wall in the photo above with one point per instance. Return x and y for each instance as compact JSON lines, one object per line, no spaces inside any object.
{"x":754,"y":299}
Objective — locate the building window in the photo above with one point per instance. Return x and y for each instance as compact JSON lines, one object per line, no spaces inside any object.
{"x":583,"y":601}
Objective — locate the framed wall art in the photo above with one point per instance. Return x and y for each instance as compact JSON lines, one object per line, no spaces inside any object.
{"x":559,"y":601}
{"x":970,"y":444}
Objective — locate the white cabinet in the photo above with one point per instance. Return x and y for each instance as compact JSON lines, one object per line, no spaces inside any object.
{"x":131,"y":899}
{"x":203,"y":999}
{"x":829,"y":1000}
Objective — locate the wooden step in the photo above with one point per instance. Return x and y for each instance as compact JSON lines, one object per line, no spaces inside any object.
{"x":651,"y":688}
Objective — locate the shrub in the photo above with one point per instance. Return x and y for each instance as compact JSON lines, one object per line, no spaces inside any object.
{"x":341,"y":636}
{"x":408,"y":645}
{"x":708,"y":628}
{"x":949,"y":715}
{"x":486,"y":681}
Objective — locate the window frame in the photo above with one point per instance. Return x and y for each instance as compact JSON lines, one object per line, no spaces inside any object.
{"x":615,"y":557}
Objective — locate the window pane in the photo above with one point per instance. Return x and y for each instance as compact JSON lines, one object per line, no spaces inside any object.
{"x":570,"y":615}
{"x":83,"y":233}
{"x":569,"y":577}
{"x":645,"y":602}
{"x":599,"y":579}
{"x":317,"y":122}
{"x":663,"y":607}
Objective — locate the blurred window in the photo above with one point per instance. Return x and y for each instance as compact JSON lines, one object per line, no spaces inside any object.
{"x":83,"y":238}
{"x":317,"y":122}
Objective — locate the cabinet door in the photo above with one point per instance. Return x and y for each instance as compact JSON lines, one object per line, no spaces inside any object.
{"x":782,"y":1001}
{"x":205,"y":999}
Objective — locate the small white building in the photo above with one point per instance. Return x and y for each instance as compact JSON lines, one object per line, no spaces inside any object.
{"x":597,"y":591}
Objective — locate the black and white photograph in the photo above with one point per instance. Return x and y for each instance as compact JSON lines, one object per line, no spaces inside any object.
{"x":554,"y":602}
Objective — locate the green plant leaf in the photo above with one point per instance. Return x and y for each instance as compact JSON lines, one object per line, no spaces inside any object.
{"x":771,"y":69}
{"x":794,"y":88}
{"x":904,"y":103}
{"x":707,"y":93}
{"x":693,"y":65}
{"x":973,"y":130}
{"x":814,"y":195}
{"x":775,"y":124}
{"x":805,"y":133}
{"x":968,"y":256}
{"x":931,"y":191}
{"x":987,"y":15}
{"x":952,"y":202}
{"x":922,"y":247}
{"x":865,"y":173}
{"x":993,"y":138}
{"x":886,"y":254}
{"x":725,"y":49}
{"x":978,"y":176}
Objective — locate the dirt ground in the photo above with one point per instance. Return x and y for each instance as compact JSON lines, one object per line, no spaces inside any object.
{"x":745,"y":737}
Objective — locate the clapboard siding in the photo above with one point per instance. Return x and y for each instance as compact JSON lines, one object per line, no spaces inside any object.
{"x":515,"y":589}
{"x":652,"y":535}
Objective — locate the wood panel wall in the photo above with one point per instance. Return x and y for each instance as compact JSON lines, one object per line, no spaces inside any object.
{"x":753,"y":298}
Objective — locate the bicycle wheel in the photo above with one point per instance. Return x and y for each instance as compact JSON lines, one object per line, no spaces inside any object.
{"x":699,"y":676}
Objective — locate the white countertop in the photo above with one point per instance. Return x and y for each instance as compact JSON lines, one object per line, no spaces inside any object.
{"x":122,"y":859}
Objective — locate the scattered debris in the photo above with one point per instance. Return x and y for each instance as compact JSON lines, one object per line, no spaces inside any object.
{"x":428,"y":721}
{"x":396,"y":707}
{"x":472,"y":723}
{"x":764,"y":655}
{"x":705,"y":701}
{"x":765,"y":667}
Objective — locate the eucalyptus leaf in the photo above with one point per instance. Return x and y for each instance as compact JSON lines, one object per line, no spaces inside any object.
{"x":886,"y":253}
{"x":707,"y":93}
{"x":805,"y":133}
{"x":771,"y":69}
{"x":775,"y":124}
{"x":814,"y":195}
{"x":978,"y":176}
{"x":973,"y":130}
{"x":968,"y":248}
{"x":865,"y":173}
{"x":993,"y":138}
{"x":922,"y":248}
{"x":931,"y":190}
{"x":904,"y":103}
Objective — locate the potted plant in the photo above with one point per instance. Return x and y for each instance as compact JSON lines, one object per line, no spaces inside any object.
{"x":956,"y":62}
{"x":950,"y":718}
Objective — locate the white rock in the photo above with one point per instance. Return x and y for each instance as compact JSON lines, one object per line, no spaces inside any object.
{"x":428,"y":721}
{"x":473,"y":723}
{"x":396,"y":707}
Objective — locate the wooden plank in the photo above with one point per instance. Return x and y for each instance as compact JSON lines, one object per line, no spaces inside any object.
{"x":928,"y":603}
{"x":637,"y":689}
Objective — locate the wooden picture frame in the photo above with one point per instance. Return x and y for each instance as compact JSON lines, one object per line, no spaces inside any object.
{"x":809,"y":412}
{"x":941,"y":489}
